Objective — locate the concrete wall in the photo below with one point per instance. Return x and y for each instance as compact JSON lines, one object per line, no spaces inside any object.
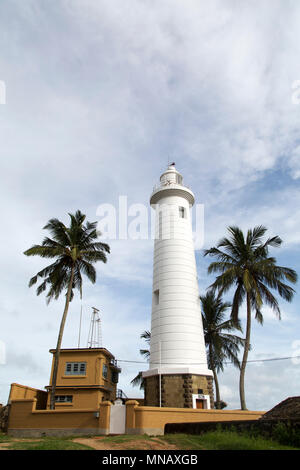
{"x":82,"y":399}
{"x":18,"y":391}
{"x":152,"y":420}
{"x":26,"y":420}
{"x":89,"y":389}
{"x":95,"y":359}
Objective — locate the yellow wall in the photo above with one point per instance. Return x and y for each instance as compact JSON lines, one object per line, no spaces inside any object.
{"x":25,"y":420}
{"x":152,"y":420}
{"x":86,"y":399}
{"x":94,"y":360}
{"x":89,"y":396}
{"x":21,"y":391}
{"x":18,"y":391}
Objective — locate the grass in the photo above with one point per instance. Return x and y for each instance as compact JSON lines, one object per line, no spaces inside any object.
{"x":48,"y":443}
{"x":215,"y":440}
{"x":224,"y":440}
{"x":42,"y":443}
{"x":123,"y":439}
{"x":4,"y":437}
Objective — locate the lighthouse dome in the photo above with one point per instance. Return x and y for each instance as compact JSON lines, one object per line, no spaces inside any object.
{"x":171,"y":183}
{"x":171,"y":175}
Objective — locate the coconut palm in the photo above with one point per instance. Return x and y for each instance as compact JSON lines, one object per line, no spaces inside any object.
{"x":75,"y":250}
{"x":220,"y":343}
{"x":244,"y":264}
{"x":138,"y":380}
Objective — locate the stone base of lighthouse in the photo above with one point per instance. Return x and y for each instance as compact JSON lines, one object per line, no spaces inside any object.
{"x":179,"y":391}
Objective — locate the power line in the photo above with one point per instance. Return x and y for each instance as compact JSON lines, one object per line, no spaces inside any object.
{"x":204,"y":363}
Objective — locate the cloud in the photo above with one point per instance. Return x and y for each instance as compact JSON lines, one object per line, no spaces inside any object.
{"x":98,"y":96}
{"x":264,"y":385}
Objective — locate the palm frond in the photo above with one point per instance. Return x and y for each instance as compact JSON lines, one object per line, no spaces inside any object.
{"x":74,"y":248}
{"x":43,"y":251}
{"x":138,"y":381}
{"x":221,"y":343}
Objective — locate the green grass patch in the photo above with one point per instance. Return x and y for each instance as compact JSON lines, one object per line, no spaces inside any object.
{"x":4,"y":437}
{"x":47,"y":443}
{"x":224,"y":440}
{"x":185,"y":441}
{"x":214,"y":440}
{"x":129,"y":441}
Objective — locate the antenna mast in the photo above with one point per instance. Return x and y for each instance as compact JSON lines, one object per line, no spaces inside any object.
{"x":95,"y":331}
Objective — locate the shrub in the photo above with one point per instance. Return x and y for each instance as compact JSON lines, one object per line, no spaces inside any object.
{"x":286,"y":433}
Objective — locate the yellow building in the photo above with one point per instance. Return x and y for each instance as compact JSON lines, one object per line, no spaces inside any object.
{"x":85,"y":392}
{"x":85,"y":378}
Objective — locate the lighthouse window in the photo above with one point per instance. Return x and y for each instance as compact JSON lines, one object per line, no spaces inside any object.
{"x":156,"y":297}
{"x":182,"y":212}
{"x":160,"y":226}
{"x":178,"y":179}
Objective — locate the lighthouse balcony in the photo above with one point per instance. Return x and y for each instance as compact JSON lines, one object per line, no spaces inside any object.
{"x":172,"y":189}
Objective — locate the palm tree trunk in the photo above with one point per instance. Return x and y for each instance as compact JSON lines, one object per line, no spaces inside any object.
{"x":245,"y":355}
{"x":218,"y":399}
{"x":59,"y":340}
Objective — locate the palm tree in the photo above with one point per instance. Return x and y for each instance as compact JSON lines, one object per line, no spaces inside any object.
{"x":221,"y":344}
{"x":245,"y":265}
{"x":138,"y":380}
{"x":75,"y":250}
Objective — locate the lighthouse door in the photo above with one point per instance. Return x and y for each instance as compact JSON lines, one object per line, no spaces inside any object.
{"x":199,"y":404}
{"x":117,"y":419}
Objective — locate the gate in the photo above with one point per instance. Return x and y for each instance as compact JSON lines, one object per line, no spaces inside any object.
{"x":117,"y":418}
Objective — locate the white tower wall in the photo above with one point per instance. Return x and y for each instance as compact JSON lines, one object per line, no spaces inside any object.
{"x":177,"y":341}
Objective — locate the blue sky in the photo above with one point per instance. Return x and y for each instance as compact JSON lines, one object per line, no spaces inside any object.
{"x":98,"y":96}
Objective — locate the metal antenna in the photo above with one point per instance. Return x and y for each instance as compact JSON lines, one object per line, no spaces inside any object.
{"x":95,"y":333}
{"x":79,"y":334}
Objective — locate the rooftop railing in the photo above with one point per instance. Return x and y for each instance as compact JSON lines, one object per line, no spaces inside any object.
{"x":159,"y":186}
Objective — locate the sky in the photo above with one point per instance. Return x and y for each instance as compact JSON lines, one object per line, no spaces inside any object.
{"x":99,"y":96}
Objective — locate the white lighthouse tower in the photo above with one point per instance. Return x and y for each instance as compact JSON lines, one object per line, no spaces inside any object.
{"x":178,"y":374}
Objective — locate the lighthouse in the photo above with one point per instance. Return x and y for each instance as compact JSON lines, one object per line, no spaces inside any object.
{"x":178,"y":375}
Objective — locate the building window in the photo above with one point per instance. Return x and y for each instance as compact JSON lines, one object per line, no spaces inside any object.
{"x":63,"y":398}
{"x":114,"y":377}
{"x":182,"y":213}
{"x":156,"y":297}
{"x":105,"y":371}
{"x":75,"y":368}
